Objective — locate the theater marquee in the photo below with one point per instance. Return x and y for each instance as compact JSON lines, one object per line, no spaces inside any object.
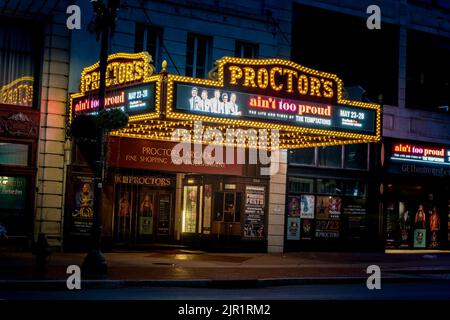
{"x":299,"y":106}
{"x":130,"y":85}
{"x":305,"y":105}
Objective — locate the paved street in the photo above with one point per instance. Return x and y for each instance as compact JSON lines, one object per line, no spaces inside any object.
{"x":439,"y":290}
{"x":184,"y":274}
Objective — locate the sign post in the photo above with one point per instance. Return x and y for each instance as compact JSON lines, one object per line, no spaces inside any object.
{"x":95,"y":262}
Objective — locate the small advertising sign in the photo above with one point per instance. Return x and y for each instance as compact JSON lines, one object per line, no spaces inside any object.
{"x":254,"y":212}
{"x":293,"y":228}
{"x":307,"y":207}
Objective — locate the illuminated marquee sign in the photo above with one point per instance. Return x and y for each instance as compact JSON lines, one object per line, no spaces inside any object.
{"x":234,"y":104}
{"x":133,"y":100}
{"x":411,"y":152}
{"x":273,"y":94}
{"x":130,"y":85}
{"x":19,"y":92}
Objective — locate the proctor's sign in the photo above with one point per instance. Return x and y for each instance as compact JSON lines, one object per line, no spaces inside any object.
{"x":157,"y":155}
{"x":130,"y":86}
{"x":273,"y":94}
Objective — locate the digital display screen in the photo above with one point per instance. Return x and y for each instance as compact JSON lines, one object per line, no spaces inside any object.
{"x":412,"y":152}
{"x":132,"y":100}
{"x":232,"y":104}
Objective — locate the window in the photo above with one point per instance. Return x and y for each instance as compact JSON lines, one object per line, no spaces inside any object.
{"x":18,"y":63}
{"x":246,"y":50}
{"x":198,"y":55}
{"x":427,"y":71}
{"x":329,"y":186}
{"x":363,"y":57}
{"x":149,"y":38}
{"x":306,"y":156}
{"x":330,"y":156}
{"x":355,"y":188}
{"x":300,"y":185}
{"x":355,"y":156}
{"x":14,"y":154}
{"x":227,"y":206}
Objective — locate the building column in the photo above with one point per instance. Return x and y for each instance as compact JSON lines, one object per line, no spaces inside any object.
{"x":52,"y":137}
{"x":277,"y":203}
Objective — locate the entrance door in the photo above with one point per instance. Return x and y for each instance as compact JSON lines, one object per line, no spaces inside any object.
{"x":227,"y":214}
{"x":192,"y":210}
{"x":143,"y":215}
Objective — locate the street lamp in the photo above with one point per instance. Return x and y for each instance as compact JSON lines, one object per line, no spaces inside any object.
{"x":105,"y":16}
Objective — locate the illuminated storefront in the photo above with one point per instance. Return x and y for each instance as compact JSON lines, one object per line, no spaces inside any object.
{"x":19,"y":126}
{"x":416,"y":194}
{"x":214,"y":194}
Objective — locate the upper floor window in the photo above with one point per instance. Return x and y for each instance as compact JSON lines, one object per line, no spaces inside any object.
{"x":351,"y":156}
{"x":330,"y":156}
{"x":149,"y":38}
{"x":427,"y":76}
{"x":355,"y":156}
{"x":198,"y":55}
{"x":304,"y":156}
{"x":366,"y":58}
{"x":246,"y":50}
{"x":19,"y":63}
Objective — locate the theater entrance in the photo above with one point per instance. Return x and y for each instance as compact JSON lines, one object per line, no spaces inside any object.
{"x":144,"y":209}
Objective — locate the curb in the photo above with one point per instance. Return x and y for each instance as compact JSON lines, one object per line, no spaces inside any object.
{"x":201,"y":283}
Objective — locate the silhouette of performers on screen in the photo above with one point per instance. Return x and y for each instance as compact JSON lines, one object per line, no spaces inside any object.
{"x":220,"y":103}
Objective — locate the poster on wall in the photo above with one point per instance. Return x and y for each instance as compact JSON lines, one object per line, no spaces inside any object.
{"x":420,"y":238}
{"x":327,"y":228}
{"x":123,"y":211}
{"x":83,"y":206}
{"x":307,"y":230}
{"x":322,"y":207}
{"x":164,"y":214}
{"x":293,"y":228}
{"x":435,"y":225}
{"x":207,"y":209}
{"x":307,"y":207}
{"x":293,"y":206}
{"x":146,"y":213}
{"x":254,"y":212}
{"x":334,"y":207}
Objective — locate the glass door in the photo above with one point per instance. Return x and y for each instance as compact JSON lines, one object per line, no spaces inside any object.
{"x":192,"y":209}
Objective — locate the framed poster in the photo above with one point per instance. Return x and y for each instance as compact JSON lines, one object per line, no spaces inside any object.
{"x":307,"y":229}
{"x":82,"y":216}
{"x":164,"y":214}
{"x":293,"y":206}
{"x":293,"y":228}
{"x":322,"y":207}
{"x":254,"y":212}
{"x":146,"y":213}
{"x":420,"y":236}
{"x":334,"y":207}
{"x":307,"y":207}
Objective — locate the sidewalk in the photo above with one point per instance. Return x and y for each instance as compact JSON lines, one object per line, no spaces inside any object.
{"x":197,"y":268}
